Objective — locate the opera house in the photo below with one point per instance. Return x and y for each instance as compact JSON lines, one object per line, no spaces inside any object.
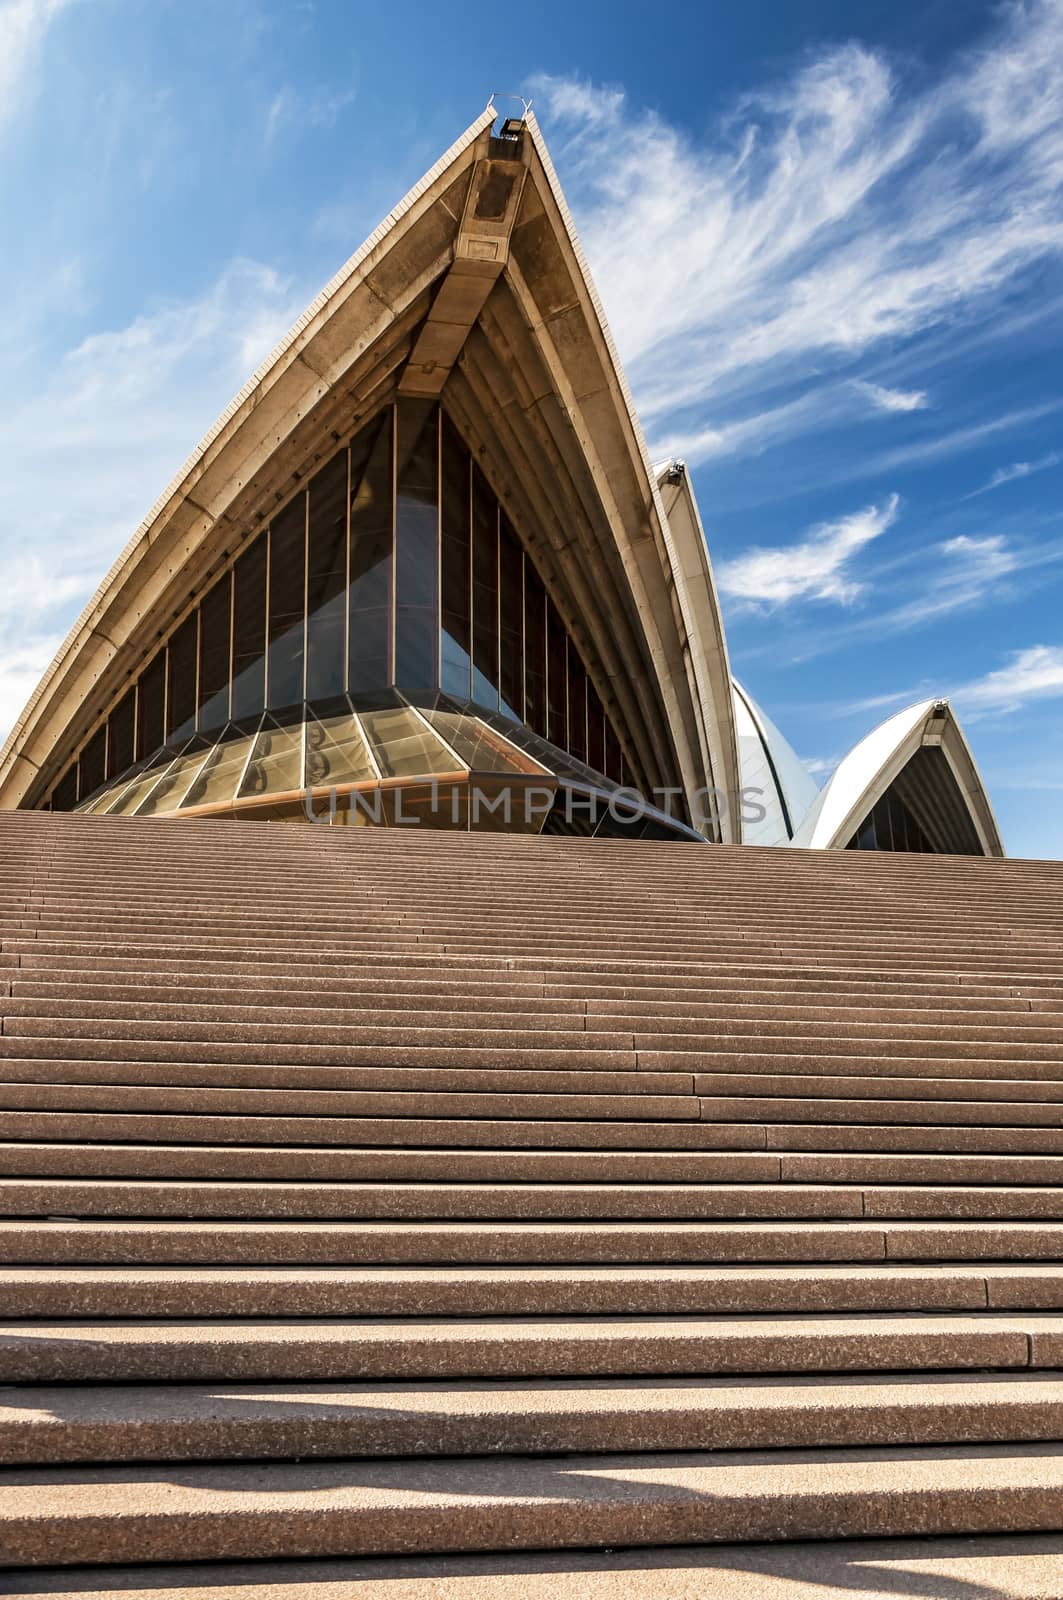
{"x":466,"y":1192}
{"x":422,"y":570}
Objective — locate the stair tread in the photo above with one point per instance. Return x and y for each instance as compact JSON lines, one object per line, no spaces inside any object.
{"x":385,"y":1506}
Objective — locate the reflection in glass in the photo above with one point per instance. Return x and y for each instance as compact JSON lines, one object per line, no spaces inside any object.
{"x":218,"y":778}
{"x":484,"y":592}
{"x":326,"y":596}
{"x":577,"y":704}
{"x":535,"y":712}
{"x":122,"y":734}
{"x":595,"y":730}
{"x":276,"y":764}
{"x":402,"y":745}
{"x":511,"y":619}
{"x":369,"y":592}
{"x":215,"y":627}
{"x":417,"y":546}
{"x":478,"y":745}
{"x":93,"y":762}
{"x":167,"y":794}
{"x":129,"y":798}
{"x":556,"y":678}
{"x":249,"y":632}
{"x":456,"y":577}
{"x":287,"y":601}
{"x":313,"y":594}
{"x":181,"y":682}
{"x":336,"y":752}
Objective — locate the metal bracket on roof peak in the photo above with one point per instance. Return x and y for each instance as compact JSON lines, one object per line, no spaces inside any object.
{"x":675,"y":471}
{"x":512,"y":127}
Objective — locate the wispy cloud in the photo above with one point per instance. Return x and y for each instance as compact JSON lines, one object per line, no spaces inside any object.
{"x":815,"y":569}
{"x":831,"y":213}
{"x":1035,"y":673}
{"x":892,"y":399}
{"x":23,"y":25}
{"x":291,"y":109}
{"x":116,"y":417}
{"x":1018,"y":469}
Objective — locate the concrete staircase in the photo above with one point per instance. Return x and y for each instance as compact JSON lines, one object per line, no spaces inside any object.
{"x":370,"y":1195}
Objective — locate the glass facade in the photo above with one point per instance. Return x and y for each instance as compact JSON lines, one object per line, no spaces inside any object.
{"x":393,"y":585}
{"x":890,"y":826}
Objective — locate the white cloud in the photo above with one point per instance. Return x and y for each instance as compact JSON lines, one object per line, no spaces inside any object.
{"x":816,"y":569}
{"x":1035,"y":673}
{"x":967,"y":570}
{"x":89,"y":448}
{"x":829,"y":215}
{"x":23,"y":25}
{"x":1018,"y":469}
{"x":21,"y":668}
{"x":893,"y":399}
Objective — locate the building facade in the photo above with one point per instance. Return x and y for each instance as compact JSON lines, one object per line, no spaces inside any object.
{"x":422,"y":571}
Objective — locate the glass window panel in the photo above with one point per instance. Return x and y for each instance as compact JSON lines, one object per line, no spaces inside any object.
{"x":336,"y":752}
{"x":557,"y":677}
{"x":595,"y":730}
{"x":215,"y":627}
{"x":287,"y":603}
{"x":511,"y":619}
{"x":167,"y":794}
{"x":577,"y":704}
{"x":92,"y":764}
{"x":456,"y":644}
{"x":181,"y":682}
{"x":484,"y":592}
{"x":105,"y":798}
{"x":150,"y":703}
{"x":276,"y":764}
{"x":326,"y":599}
{"x":218,"y":778}
{"x":371,"y":546}
{"x":614,"y":761}
{"x":65,"y":793}
{"x":126,"y":800}
{"x":249,"y":632}
{"x":402,"y":745}
{"x":417,"y":546}
{"x":535,"y":713}
{"x":547,"y":755}
{"x":478,"y":745}
{"x":121,"y":736}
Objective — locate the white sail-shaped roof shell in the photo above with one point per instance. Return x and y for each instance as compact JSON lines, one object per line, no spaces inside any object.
{"x":774,"y":778}
{"x":873,"y":765}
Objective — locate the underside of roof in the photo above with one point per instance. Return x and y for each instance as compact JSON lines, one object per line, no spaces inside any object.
{"x":921,"y":758}
{"x":473,"y":289}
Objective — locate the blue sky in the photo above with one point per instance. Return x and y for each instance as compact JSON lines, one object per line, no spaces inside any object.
{"x":829,"y":239}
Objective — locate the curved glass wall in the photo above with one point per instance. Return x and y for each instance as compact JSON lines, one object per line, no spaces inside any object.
{"x":385,"y":760}
{"x":389,"y":595}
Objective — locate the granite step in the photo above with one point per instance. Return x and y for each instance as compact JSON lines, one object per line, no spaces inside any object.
{"x":220,"y":1422}
{"x":260,"y":1511}
{"x":306,"y":1290}
{"x":1008,"y":1567}
{"x":464,"y":1200}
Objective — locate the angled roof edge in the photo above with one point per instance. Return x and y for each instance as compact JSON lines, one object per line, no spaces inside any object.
{"x":710,"y":659}
{"x":701,"y":621}
{"x":181,"y":481}
{"x":864,"y":775}
{"x":190,"y":521}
